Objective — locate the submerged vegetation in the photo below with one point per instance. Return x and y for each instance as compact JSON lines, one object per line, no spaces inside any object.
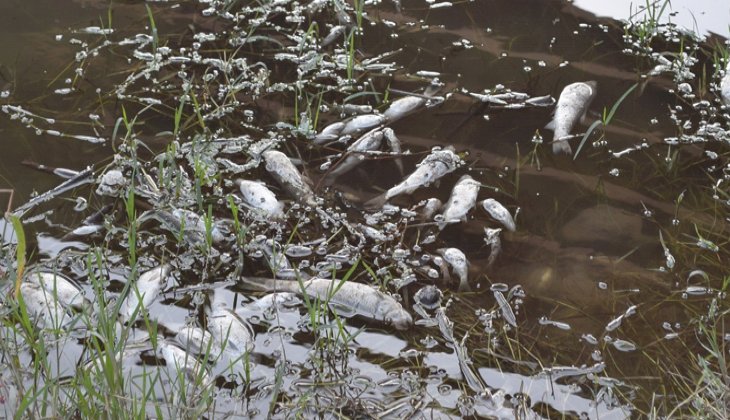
{"x":250,"y":246}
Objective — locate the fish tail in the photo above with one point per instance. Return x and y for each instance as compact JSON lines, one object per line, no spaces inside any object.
{"x":377,"y":202}
{"x":561,"y":147}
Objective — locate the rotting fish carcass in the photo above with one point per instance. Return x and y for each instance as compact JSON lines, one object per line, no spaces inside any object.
{"x":356,"y":298}
{"x":259,"y":197}
{"x":66,"y":292}
{"x":143,"y":292}
{"x":288,"y":176}
{"x":572,"y":107}
{"x":458,"y":262}
{"x":437,"y":164}
{"x":231,"y":333}
{"x":463,"y":198}
{"x":499,"y":213}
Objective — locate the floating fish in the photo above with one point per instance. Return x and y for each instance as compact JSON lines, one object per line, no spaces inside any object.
{"x":349,"y":297}
{"x":491,"y":238}
{"x":143,"y":292}
{"x":572,"y":106}
{"x":286,"y":174}
{"x":232,"y":333}
{"x":401,"y":108}
{"x":43,"y":306}
{"x":458,"y":262}
{"x":180,"y":360}
{"x":463,"y":198}
{"x":504,"y":306}
{"x":62,"y":288}
{"x":258,"y":196}
{"x":361,"y":124}
{"x":499,"y":213}
{"x":193,"y":222}
{"x":329,"y":133}
{"x":432,"y":168}
{"x":198,"y":341}
{"x":354,"y":154}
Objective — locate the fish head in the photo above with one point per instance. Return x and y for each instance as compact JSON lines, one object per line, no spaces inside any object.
{"x":399,"y":318}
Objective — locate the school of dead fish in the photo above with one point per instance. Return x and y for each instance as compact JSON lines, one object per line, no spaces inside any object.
{"x":269,"y":190}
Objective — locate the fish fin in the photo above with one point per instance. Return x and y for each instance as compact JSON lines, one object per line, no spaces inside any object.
{"x":377,"y":202}
{"x":550,"y":126}
{"x":561,"y":146}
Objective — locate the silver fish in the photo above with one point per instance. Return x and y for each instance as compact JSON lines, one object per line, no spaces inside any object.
{"x":334,"y":33}
{"x":42,"y":306}
{"x":180,"y":360}
{"x":274,"y":300}
{"x":432,"y":168}
{"x":356,"y":298}
{"x":286,"y":174}
{"x":146,"y":288}
{"x":329,"y":133}
{"x":232,"y":333}
{"x":195,"y":223}
{"x":725,"y":86}
{"x":66,"y":292}
{"x":572,"y":106}
{"x":499,"y":213}
{"x":458,"y":262}
{"x":491,"y":238}
{"x":401,"y":108}
{"x":463,"y":198}
{"x":198,"y":341}
{"x":258,"y":196}
{"x":355,"y":154}
{"x":361,"y":124}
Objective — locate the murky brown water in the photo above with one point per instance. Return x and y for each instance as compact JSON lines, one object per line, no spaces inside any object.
{"x":587,"y":246}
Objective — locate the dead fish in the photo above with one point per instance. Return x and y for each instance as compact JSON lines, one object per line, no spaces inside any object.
{"x":143,"y":292}
{"x":491,"y":238}
{"x":402,"y":107}
{"x":355,"y":154}
{"x":430,"y":207}
{"x":232,"y":333}
{"x":334,"y":33}
{"x":458,"y":262}
{"x":180,"y":360}
{"x":43,"y":306}
{"x":725,"y":86}
{"x":499,"y":213}
{"x":288,"y":176}
{"x":274,"y":300}
{"x":361,"y":124}
{"x":191,"y":221}
{"x":572,"y":106}
{"x":437,"y":164}
{"x":329,"y":133}
{"x":258,"y":196}
{"x":463,"y":198}
{"x":350,"y":297}
{"x":198,"y":341}
{"x":66,"y":292}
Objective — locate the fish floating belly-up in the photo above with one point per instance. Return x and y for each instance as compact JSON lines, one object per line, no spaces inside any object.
{"x":463,"y":198}
{"x":288,"y":176}
{"x":259,"y":197}
{"x":572,"y":107}
{"x":141,"y":294}
{"x":437,"y":164}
